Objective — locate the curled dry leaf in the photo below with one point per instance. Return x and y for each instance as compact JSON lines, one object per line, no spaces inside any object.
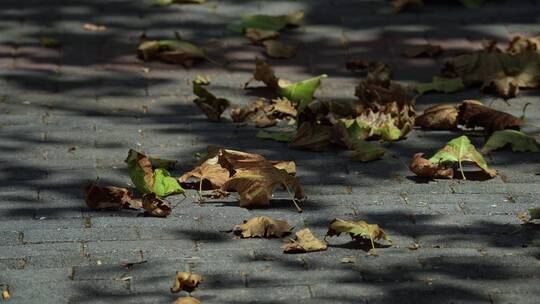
{"x":255,"y":185}
{"x":519,"y":141}
{"x":443,"y":117}
{"x":305,"y":242}
{"x":6,"y":295}
{"x":278,"y":49}
{"x":94,"y":27}
{"x":428,"y":50}
{"x":186,"y":300}
{"x":211,"y":106}
{"x":210,"y":172}
{"x":493,"y":68}
{"x":473,"y":114}
{"x":521,"y":44}
{"x":264,"y":113}
{"x":263,"y":227}
{"x":357,"y":230}
{"x":155,"y":206}
{"x":256,"y":36}
{"x":171,"y":51}
{"x":424,"y":168}
{"x":110,"y":197}
{"x":459,"y":150}
{"x":185,"y":281}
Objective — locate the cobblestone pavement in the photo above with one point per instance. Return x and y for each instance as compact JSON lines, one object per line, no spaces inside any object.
{"x":69,"y":115}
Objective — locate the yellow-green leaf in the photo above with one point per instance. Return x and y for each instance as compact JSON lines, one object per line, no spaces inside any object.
{"x":301,"y":92}
{"x":519,"y":141}
{"x":165,"y":184}
{"x":441,"y":84}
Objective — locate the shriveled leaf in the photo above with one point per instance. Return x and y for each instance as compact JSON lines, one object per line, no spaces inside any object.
{"x":140,"y":171}
{"x":520,"y":44}
{"x":257,"y":36}
{"x":263,"y":227}
{"x":155,"y":206}
{"x":171,"y":51}
{"x":288,"y":166}
{"x":425,"y":168}
{"x":427,"y":50}
{"x":165,"y":184}
{"x":255,"y":185}
{"x":441,"y":84}
{"x":375,"y":125}
{"x":185,"y":281}
{"x":492,"y":68}
{"x":442,"y":117}
{"x":209,"y":104}
{"x":278,"y":49}
{"x":210,"y":171}
{"x":357,"y":230}
{"x":519,"y":141}
{"x":267,"y":22}
{"x":169,"y":2}
{"x":94,"y":27}
{"x":284,"y":106}
{"x":265,"y":113}
{"x":473,"y":114}
{"x":305,"y":242}
{"x":114,"y":198}
{"x":459,"y":150}
{"x":49,"y":42}
{"x":186,"y":300}
{"x":284,"y":136}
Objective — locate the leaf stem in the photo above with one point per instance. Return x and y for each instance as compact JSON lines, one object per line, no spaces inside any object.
{"x":461,"y":169}
{"x":293,"y":199}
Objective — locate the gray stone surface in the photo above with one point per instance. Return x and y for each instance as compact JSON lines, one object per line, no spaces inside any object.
{"x":69,"y":115}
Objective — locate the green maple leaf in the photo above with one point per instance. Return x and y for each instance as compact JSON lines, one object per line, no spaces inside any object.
{"x":301,"y":92}
{"x":459,"y":150}
{"x":519,"y":141}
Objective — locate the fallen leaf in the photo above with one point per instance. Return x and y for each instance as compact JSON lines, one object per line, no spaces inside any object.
{"x":155,"y":206}
{"x":441,"y":84}
{"x":375,"y":125}
{"x":171,"y":51}
{"x":268,"y":23}
{"x":400,"y":5}
{"x":521,"y":44}
{"x":169,"y":2}
{"x":519,"y":141}
{"x":6,"y":295}
{"x":209,"y":171}
{"x":473,"y":114}
{"x":255,"y":185}
{"x":348,"y":260}
{"x":442,"y":117}
{"x":357,"y":230}
{"x":278,"y":49}
{"x":167,"y":164}
{"x":493,"y":68}
{"x":310,"y":136}
{"x":300,"y":93}
{"x":211,"y":106}
{"x":110,"y":197}
{"x":284,"y":106}
{"x":94,"y":27}
{"x":414,"y":246}
{"x":148,"y":180}
{"x":285,"y":136}
{"x":428,"y":50}
{"x":263,"y":227}
{"x":459,"y":150}
{"x":186,"y":300}
{"x":185,"y":281}
{"x":49,"y":42}
{"x":305,"y":242}
{"x":425,"y":168}
{"x":534,"y":213}
{"x":265,"y":113}
{"x":256,"y":36}
{"x":365,"y":151}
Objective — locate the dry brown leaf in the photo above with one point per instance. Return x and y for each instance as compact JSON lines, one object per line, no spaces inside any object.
{"x":348,"y":260}
{"x":255,"y":185}
{"x":256,"y":36}
{"x":288,"y":166}
{"x":264,"y":113}
{"x":94,"y":27}
{"x":284,"y":106}
{"x":155,"y":206}
{"x":209,"y":104}
{"x":185,"y":281}
{"x":424,"y":168}
{"x":264,"y":227}
{"x":110,"y":197}
{"x":357,"y":230}
{"x":310,"y":136}
{"x":264,"y":72}
{"x":443,"y":117}
{"x":428,"y":50}
{"x":473,"y":114}
{"x":210,"y":172}
{"x":278,"y":49}
{"x":186,"y":300}
{"x":520,"y":44}
{"x":6,"y":295}
{"x":305,"y":242}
